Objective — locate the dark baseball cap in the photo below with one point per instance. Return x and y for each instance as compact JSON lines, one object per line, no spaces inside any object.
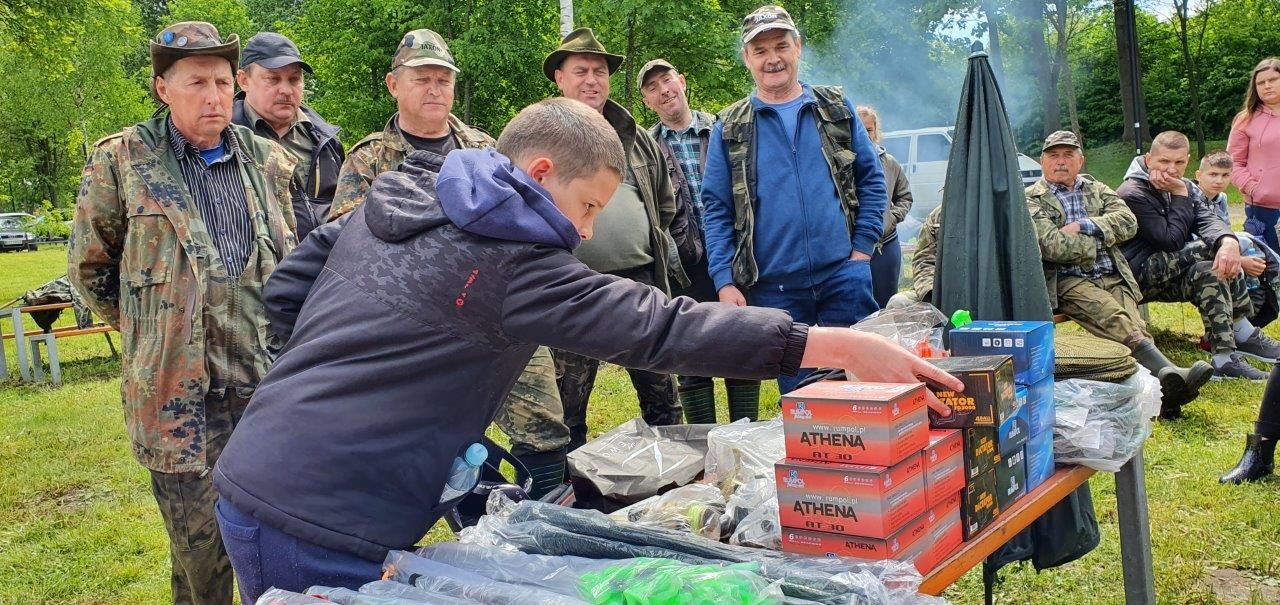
{"x":272,"y":51}
{"x":765,"y":18}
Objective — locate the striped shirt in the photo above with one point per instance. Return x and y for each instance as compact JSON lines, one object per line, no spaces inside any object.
{"x":1072,"y":200}
{"x":218,"y":192}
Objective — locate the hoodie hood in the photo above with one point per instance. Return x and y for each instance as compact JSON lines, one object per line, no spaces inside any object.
{"x":1137,"y":169}
{"x":482,"y":192}
{"x":402,"y":203}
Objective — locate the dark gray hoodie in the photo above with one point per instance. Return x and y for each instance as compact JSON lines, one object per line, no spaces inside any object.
{"x":414,"y":327}
{"x":1166,"y":222}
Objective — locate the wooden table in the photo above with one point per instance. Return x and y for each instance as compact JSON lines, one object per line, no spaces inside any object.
{"x":32,"y":369}
{"x":1135,"y":535}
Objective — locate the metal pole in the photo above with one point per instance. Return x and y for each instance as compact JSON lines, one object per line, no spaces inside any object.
{"x":1137,"y":78}
{"x":1135,"y":533}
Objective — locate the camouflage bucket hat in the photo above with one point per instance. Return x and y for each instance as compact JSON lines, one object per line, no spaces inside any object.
{"x":191,"y":39}
{"x":423,"y":47}
{"x":1060,"y":138}
{"x":765,"y":18}
{"x":581,"y":40}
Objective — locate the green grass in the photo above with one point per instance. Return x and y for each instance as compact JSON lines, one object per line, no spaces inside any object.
{"x":78,"y":523}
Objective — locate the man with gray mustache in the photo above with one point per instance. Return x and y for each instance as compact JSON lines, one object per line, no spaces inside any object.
{"x":793,"y":190}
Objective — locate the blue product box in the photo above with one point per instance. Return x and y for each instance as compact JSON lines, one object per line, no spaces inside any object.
{"x":1029,"y":342}
{"x":1014,"y":432}
{"x":1040,"y":406}
{"x":1011,"y":478}
{"x":1039,"y":459}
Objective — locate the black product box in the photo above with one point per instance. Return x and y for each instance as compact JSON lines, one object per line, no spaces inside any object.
{"x":979,"y":505}
{"x":985,"y":447}
{"x":1011,"y":478}
{"x":988,"y":398}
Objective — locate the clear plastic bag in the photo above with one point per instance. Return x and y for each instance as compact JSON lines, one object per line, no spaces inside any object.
{"x":916,"y":327}
{"x":346,"y":596}
{"x":410,"y":594}
{"x":435,"y":577}
{"x":1103,"y":424}
{"x":275,"y":596}
{"x":741,"y":451}
{"x":753,"y":514}
{"x":635,"y":461}
{"x":697,"y":508}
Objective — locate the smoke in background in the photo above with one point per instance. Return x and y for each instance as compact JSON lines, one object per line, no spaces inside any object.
{"x":885,"y":56}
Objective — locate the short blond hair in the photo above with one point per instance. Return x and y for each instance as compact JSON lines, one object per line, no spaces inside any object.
{"x":1171,"y":140}
{"x":574,"y":136}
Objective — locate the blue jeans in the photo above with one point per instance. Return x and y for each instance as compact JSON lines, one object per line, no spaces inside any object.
{"x":1261,"y":222}
{"x":264,"y":557}
{"x":843,"y":299}
{"x":886,"y":270}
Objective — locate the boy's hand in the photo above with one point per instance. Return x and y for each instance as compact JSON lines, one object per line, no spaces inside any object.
{"x":874,"y":358}
{"x":1253,"y":266}
{"x":730,"y":295}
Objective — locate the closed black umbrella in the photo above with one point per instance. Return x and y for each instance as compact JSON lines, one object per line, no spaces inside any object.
{"x":988,"y":258}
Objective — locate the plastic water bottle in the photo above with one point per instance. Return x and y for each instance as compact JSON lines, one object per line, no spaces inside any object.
{"x":1249,"y":249}
{"x":465,"y":472}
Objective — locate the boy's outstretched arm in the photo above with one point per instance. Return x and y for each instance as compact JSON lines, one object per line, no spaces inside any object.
{"x":555,"y":300}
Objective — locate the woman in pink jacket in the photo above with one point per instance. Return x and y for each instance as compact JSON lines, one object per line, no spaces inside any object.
{"x":1255,"y":149}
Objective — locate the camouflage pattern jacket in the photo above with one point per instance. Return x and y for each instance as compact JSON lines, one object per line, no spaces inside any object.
{"x":383,"y":151}
{"x":926,"y":256}
{"x":1106,"y":210}
{"x":145,"y":263}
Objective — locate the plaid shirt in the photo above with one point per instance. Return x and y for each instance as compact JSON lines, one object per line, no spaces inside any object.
{"x":687,"y":147}
{"x":1072,"y":200}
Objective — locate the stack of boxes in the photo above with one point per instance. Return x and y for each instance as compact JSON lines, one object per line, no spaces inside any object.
{"x":1005,"y":413}
{"x":864,"y":476}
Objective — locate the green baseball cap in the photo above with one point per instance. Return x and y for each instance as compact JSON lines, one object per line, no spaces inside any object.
{"x":581,"y":40}
{"x":191,"y":39}
{"x":765,"y":18}
{"x":423,"y":47}
{"x":651,"y":67}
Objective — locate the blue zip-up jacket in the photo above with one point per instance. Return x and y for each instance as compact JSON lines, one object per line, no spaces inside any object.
{"x":800,"y":233}
{"x":409,"y":323}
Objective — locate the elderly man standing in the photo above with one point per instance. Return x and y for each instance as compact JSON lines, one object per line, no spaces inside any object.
{"x":631,"y":238}
{"x":421,"y":79}
{"x":794,"y":193}
{"x":271,"y":78}
{"x":179,"y":222}
{"x":1080,"y":224}
{"x":683,"y":134}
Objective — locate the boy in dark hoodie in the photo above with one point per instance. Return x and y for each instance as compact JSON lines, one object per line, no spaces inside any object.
{"x":433,"y":297}
{"x":1172,"y":212}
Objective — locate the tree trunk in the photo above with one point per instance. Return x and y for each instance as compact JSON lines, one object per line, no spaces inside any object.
{"x":1181,"y":9}
{"x":1068,"y":84}
{"x":1033,"y":20}
{"x":631,"y":52}
{"x":566,"y":17}
{"x":993,"y":38}
{"x":1130,"y":64}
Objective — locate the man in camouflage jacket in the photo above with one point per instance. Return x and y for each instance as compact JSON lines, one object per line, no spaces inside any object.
{"x":179,"y":222}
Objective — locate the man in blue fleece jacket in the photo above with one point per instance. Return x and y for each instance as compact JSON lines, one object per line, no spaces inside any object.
{"x":793,"y":190}
{"x":419,"y":312}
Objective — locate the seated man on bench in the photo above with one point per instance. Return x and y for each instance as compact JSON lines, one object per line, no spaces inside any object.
{"x":1080,"y":224}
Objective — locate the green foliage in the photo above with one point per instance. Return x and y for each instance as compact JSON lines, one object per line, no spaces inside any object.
{"x":229,"y":16}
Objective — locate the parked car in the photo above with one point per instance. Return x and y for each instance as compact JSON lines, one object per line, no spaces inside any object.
{"x":15,"y":233}
{"x":924,"y":153}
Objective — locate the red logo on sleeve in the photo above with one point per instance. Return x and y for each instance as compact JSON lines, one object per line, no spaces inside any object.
{"x":466,"y":289}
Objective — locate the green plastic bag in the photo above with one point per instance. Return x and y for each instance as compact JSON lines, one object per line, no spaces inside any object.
{"x":648,"y":581}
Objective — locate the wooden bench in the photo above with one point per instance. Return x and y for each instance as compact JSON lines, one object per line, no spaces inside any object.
{"x":35,"y":369}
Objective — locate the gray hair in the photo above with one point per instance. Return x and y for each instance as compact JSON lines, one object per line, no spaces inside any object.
{"x":574,"y":136}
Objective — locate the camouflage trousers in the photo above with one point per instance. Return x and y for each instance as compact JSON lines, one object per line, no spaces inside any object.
{"x":1105,"y":307}
{"x":576,"y":376}
{"x":201,"y":571}
{"x":532,"y":415}
{"x":1187,"y":276}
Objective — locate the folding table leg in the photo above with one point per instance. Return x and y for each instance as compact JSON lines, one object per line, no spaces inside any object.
{"x":19,"y":338}
{"x":1135,"y":533}
{"x":37,"y":365}
{"x":4,"y":363}
{"x":55,"y":367}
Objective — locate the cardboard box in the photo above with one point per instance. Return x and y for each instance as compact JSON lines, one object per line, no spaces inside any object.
{"x":943,"y":465}
{"x":1029,"y":342}
{"x":824,"y":544}
{"x":1040,"y":406}
{"x":850,"y":499}
{"x":855,"y":422}
{"x":1014,"y":432}
{"x":978,"y":504}
{"x":988,"y":397}
{"x":945,"y":535}
{"x":1011,"y":478}
{"x":1039,"y":459}
{"x":984,"y":447}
